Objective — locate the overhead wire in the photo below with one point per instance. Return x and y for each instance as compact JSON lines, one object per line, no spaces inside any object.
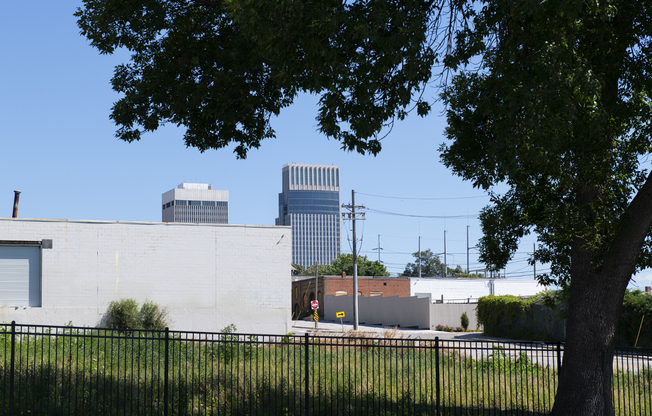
{"x":423,"y":199}
{"x":439,"y":217}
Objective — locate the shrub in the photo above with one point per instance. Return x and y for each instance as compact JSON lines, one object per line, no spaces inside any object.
{"x":464,"y":320}
{"x":492,"y":309}
{"x":447,"y":328}
{"x":636,"y":304}
{"x":153,"y":317}
{"x":124,"y":314}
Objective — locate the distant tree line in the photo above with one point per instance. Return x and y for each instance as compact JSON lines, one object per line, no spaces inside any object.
{"x":432,"y":266}
{"x":344,"y":264}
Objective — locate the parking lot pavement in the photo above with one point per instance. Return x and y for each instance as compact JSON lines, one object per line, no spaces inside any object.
{"x":300,"y":327}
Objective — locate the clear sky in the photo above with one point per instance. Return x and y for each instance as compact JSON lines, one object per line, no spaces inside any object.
{"x":59,"y":149}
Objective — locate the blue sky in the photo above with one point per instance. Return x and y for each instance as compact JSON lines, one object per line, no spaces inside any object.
{"x":59,"y":149}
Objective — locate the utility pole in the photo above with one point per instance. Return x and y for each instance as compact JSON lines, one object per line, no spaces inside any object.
{"x":534,"y":259}
{"x":445,"y":262}
{"x":419,"y":257}
{"x":353,"y":216}
{"x":379,"y":248}
{"x":467,"y":250}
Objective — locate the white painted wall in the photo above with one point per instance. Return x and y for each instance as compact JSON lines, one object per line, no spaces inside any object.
{"x":458,"y":288}
{"x":208,"y":276}
{"x":517,"y":287}
{"x":395,"y":311}
{"x":449,"y":288}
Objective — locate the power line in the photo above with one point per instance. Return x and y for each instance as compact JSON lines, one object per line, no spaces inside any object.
{"x":438,"y":217}
{"x":424,"y":199}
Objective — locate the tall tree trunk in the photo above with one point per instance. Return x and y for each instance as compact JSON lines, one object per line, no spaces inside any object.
{"x":596,"y":299}
{"x":585,"y":387}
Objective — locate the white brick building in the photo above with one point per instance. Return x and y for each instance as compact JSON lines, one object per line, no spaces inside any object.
{"x":460,"y":289}
{"x":208,"y":276}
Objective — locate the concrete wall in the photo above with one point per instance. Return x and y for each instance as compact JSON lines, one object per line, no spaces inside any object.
{"x":459,"y":288}
{"x":208,"y":276}
{"x":450,"y":314}
{"x":385,"y":311}
{"x":396,"y":311}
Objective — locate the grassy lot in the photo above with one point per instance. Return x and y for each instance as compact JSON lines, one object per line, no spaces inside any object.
{"x":98,"y":372}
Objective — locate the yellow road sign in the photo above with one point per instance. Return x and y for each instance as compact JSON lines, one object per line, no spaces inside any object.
{"x":339,"y":314}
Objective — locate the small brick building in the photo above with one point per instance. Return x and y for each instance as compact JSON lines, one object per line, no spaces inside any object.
{"x":303,"y":289}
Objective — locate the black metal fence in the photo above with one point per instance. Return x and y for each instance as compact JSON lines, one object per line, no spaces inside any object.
{"x":69,"y":370}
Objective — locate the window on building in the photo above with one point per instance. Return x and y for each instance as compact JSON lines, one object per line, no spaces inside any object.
{"x":375,"y":293}
{"x":340,"y":293}
{"x":195,"y":203}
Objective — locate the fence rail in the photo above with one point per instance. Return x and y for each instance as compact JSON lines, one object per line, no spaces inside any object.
{"x":78,"y":371}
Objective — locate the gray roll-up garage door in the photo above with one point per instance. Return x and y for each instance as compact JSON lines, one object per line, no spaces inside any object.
{"x":20,"y":275}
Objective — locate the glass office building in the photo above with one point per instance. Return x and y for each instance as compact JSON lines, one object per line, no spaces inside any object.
{"x":310,"y":203}
{"x":196,"y":203}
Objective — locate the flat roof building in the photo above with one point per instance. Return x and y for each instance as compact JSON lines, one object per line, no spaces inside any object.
{"x":196,"y":203}
{"x":310,"y":203}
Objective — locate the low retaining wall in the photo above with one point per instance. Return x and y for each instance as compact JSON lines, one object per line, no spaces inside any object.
{"x":395,"y":311}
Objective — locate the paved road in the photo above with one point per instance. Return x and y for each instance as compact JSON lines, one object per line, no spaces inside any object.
{"x":482,"y":346}
{"x":335,"y":328}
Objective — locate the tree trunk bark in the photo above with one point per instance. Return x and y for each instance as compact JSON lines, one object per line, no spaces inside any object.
{"x":585,"y":379}
{"x":596,"y":299}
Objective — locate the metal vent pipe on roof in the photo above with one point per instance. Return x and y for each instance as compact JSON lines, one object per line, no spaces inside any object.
{"x":16,"y":198}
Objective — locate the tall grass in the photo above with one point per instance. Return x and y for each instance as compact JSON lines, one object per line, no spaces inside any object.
{"x":84,"y":371}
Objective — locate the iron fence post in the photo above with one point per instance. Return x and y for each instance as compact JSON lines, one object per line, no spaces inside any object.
{"x":11,"y":368}
{"x":437,"y":387}
{"x":165,"y":376}
{"x":307,"y":372}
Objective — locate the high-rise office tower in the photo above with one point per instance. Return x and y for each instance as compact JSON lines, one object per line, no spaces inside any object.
{"x":196,"y":202}
{"x":310,"y":203}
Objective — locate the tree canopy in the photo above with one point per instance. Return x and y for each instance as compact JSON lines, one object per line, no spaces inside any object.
{"x":222,"y":69}
{"x":344,"y":264}
{"x":430,"y":265}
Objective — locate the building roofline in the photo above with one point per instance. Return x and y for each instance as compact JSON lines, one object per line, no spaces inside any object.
{"x":171,"y":224}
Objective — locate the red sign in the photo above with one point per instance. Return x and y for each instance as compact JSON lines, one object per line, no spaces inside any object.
{"x":314,"y":304}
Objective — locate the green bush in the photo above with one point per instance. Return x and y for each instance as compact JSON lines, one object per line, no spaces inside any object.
{"x":124,"y":314}
{"x":636,"y":305}
{"x":492,"y":309}
{"x":464,"y":320}
{"x":153,"y":317}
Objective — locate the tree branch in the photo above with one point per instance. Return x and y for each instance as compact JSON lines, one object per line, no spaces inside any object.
{"x":633,"y":230}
